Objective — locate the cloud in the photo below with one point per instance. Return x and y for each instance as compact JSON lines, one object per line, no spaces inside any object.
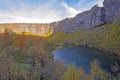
{"x":46,"y":11}
{"x":84,"y":5}
{"x":71,"y":12}
{"x":28,"y":13}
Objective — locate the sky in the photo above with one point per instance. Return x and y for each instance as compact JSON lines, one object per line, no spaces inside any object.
{"x":42,"y":11}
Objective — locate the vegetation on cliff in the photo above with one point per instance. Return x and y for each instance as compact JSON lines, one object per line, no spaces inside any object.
{"x":105,"y":38}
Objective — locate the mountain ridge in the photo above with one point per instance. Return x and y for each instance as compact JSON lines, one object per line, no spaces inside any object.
{"x":88,"y":19}
{"x":91,"y":18}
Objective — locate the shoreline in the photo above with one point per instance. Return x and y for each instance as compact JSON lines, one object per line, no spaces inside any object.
{"x":109,"y":53}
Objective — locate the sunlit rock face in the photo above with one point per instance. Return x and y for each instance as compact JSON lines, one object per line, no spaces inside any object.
{"x":29,"y":29}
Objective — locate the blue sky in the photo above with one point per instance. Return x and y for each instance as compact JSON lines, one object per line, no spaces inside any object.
{"x":42,"y":11}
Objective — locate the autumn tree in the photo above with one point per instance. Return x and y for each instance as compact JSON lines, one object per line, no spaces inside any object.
{"x":21,"y":41}
{"x":56,"y":69}
{"x":8,"y":70}
{"x":82,"y":75}
{"x":70,"y":74}
{"x":5,"y":37}
{"x":97,"y":73}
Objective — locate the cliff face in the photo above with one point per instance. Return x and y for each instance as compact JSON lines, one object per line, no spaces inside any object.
{"x":88,"y":19}
{"x":112,"y":9}
{"x":35,"y":29}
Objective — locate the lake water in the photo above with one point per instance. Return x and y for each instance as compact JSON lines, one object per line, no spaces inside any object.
{"x":82,"y":57}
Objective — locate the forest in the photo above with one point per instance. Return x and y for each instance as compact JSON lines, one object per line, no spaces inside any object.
{"x":28,"y":57}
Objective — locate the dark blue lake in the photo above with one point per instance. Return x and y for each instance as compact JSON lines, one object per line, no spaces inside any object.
{"x":82,"y":57}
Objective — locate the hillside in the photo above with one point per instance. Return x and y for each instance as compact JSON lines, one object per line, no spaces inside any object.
{"x":28,"y":58}
{"x":98,"y":28}
{"x":105,"y":38}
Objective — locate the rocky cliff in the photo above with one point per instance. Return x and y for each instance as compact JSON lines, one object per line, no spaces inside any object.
{"x":91,"y":18}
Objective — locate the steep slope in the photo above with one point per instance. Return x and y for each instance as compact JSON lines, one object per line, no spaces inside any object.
{"x":105,"y":38}
{"x":94,"y":17}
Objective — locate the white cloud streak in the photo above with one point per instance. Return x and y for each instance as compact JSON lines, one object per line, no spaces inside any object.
{"x":30,"y":14}
{"x":71,"y":12}
{"x":83,"y":7}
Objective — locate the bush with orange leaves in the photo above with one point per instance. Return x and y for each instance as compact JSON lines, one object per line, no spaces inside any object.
{"x":5,"y":37}
{"x":21,"y":41}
